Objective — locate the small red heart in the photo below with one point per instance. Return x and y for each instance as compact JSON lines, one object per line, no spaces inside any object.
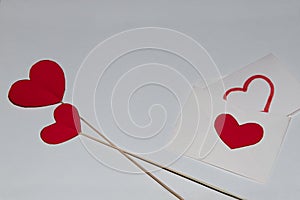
{"x":235,"y":135}
{"x":67,"y":125}
{"x":46,"y":86}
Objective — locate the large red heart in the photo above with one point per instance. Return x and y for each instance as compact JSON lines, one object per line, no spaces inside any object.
{"x":67,"y":125}
{"x":46,"y":86}
{"x":235,"y":135}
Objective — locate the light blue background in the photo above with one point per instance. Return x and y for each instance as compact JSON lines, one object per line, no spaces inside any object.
{"x":235,"y":33}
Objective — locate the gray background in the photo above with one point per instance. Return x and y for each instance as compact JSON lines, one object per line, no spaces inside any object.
{"x":235,"y":33}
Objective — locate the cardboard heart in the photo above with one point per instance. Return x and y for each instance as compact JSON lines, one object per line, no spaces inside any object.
{"x":246,"y":85}
{"x":46,"y":86}
{"x":67,"y":125}
{"x":235,"y":135}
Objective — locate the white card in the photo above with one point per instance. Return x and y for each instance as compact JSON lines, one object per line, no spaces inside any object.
{"x":257,"y":100}
{"x":287,"y":89}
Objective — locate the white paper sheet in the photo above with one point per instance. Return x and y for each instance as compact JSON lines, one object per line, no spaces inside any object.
{"x":197,"y":134}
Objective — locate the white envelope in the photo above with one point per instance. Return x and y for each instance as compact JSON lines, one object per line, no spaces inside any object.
{"x":257,"y":105}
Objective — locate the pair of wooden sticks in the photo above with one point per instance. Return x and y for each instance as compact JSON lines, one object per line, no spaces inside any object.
{"x":129,"y":156}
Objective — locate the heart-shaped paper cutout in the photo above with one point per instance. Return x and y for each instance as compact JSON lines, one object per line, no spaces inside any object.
{"x":246,"y":85}
{"x":46,"y":86}
{"x":67,"y":125}
{"x":235,"y":135}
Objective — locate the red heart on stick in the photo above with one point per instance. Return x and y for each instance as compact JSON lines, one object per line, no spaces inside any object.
{"x":67,"y":125}
{"x":46,"y":86}
{"x":235,"y":135}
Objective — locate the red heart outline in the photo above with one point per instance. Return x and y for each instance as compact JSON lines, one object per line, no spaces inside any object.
{"x":45,"y":86}
{"x":246,"y":85}
{"x":66,"y":127}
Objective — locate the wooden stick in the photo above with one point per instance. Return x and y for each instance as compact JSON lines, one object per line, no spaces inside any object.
{"x":130,"y":159}
{"x":167,"y":169}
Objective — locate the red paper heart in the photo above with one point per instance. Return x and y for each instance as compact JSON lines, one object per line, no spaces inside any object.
{"x":46,"y":86}
{"x":246,"y":85}
{"x":235,"y":135}
{"x":67,"y":125}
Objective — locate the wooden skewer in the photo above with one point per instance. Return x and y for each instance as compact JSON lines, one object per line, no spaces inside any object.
{"x":129,"y":158}
{"x":167,"y":169}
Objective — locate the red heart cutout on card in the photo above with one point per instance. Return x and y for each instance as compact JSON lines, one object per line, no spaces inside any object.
{"x":46,"y":86}
{"x":246,"y":85}
{"x":235,"y":135}
{"x":67,"y":125}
